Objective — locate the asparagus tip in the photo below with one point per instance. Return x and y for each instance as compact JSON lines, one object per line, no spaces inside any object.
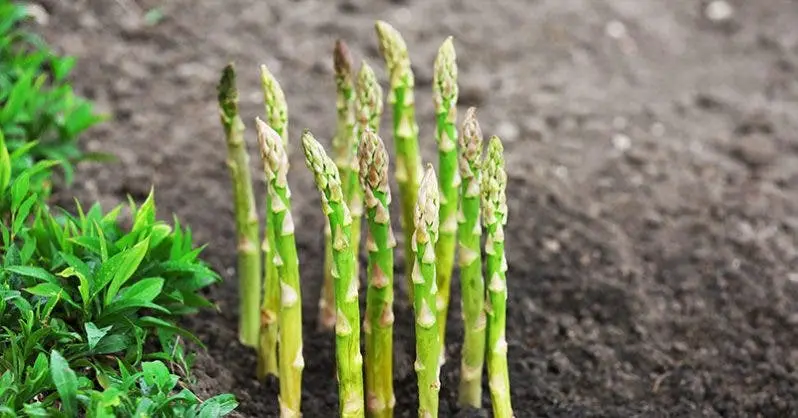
{"x":445,"y":76}
{"x":373,"y":158}
{"x":272,"y":152}
{"x":392,"y":45}
{"x":228,"y":93}
{"x":494,"y":183}
{"x":428,"y":202}
{"x":342,"y":58}
{"x":369,"y":104}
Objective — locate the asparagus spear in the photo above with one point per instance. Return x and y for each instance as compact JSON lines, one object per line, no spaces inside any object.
{"x":494,"y":204}
{"x":249,"y":263}
{"x":471,"y":281}
{"x":444,"y":89}
{"x":428,"y":342}
{"x":380,"y":242}
{"x":277,"y":117}
{"x":405,"y":130}
{"x":343,"y":143}
{"x":280,"y":222}
{"x":347,"y":322}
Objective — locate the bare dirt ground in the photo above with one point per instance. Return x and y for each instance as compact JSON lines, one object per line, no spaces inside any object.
{"x":653,"y":162}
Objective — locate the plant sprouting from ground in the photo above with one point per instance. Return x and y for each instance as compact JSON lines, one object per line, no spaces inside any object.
{"x":276,"y":110}
{"x":428,"y":342}
{"x":494,"y":207}
{"x":249,"y":258}
{"x":439,"y":214}
{"x":405,"y":130}
{"x":445,"y":91}
{"x":280,"y":221}
{"x":380,"y":243}
{"x":347,"y":323}
{"x":471,"y":280}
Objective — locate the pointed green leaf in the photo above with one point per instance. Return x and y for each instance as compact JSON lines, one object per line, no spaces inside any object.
{"x":94,"y":334}
{"x":119,"y":268}
{"x":66,"y":383}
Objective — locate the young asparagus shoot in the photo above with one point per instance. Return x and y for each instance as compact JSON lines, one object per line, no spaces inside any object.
{"x":347,"y":322}
{"x":445,"y":91}
{"x":276,"y":110}
{"x":246,"y":217}
{"x":428,"y":342}
{"x":280,"y":222}
{"x":405,"y":130}
{"x":494,"y":207}
{"x":470,"y":261}
{"x":368,"y":109}
{"x":342,"y":144}
{"x":380,"y":242}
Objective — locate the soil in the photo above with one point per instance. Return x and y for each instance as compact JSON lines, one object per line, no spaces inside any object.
{"x":653,"y":160}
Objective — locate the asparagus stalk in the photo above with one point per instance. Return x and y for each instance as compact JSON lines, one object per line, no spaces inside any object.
{"x":276,"y":110}
{"x":445,"y":91}
{"x":343,"y":143}
{"x":428,"y":342}
{"x":280,"y":222}
{"x":347,"y":322}
{"x":471,"y":280}
{"x":494,"y":205}
{"x":368,"y":109}
{"x":380,"y":241}
{"x":249,"y":263}
{"x":405,"y":130}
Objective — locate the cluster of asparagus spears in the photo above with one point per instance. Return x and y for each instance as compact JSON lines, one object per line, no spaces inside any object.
{"x":439,"y":214}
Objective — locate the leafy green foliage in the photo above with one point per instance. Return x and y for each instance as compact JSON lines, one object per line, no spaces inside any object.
{"x":82,"y":300}
{"x":40,"y":115}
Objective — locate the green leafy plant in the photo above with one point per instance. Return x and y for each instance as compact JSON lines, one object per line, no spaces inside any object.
{"x":39,"y":112}
{"x":80,"y":291}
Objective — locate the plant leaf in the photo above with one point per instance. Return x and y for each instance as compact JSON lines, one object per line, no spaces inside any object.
{"x":119,"y":268}
{"x":94,"y":334}
{"x":66,"y":383}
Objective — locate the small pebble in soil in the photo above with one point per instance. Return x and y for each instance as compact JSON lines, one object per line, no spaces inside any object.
{"x":507,"y":131}
{"x":621,"y":142}
{"x":615,"y":29}
{"x":38,"y":13}
{"x":719,"y":11}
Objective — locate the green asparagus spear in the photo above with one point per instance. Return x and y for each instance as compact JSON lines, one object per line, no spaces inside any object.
{"x":280,"y":222}
{"x":428,"y":342}
{"x":494,"y":206}
{"x":405,"y":130}
{"x":347,"y":322}
{"x":249,"y":263}
{"x":471,"y":280}
{"x":380,"y":243}
{"x":343,"y":143}
{"x":368,"y":109}
{"x":444,"y":89}
{"x":277,"y":117}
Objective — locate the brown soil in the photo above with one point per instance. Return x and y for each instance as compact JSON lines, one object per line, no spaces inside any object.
{"x":654,"y":182}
